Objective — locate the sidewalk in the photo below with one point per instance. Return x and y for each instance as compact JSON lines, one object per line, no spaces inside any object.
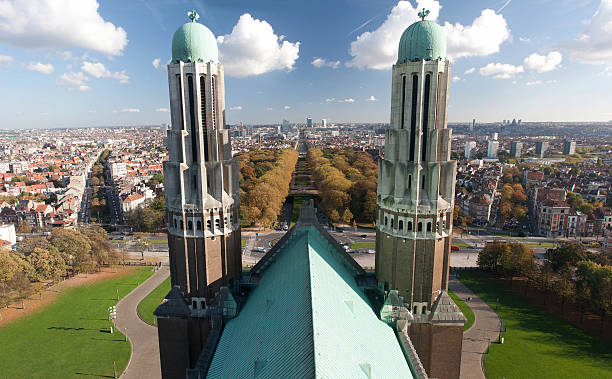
{"x":477,"y":338}
{"x":144,"y":361}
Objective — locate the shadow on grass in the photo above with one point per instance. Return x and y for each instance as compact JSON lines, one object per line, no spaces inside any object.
{"x":96,"y":375}
{"x":68,"y":328}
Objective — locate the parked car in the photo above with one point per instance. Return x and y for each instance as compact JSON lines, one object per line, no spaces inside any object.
{"x":454,"y":248}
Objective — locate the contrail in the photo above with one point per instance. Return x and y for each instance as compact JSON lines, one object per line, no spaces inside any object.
{"x":363,"y":25}
{"x":503,"y":6}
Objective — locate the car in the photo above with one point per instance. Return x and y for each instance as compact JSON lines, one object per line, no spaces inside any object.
{"x":364,"y":236}
{"x":454,"y":248}
{"x":371,"y":251}
{"x":259,"y":250}
{"x":346,"y":247}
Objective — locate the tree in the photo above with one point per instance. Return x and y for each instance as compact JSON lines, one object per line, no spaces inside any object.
{"x":347,"y":216}
{"x":491,"y":257}
{"x":47,"y":263}
{"x":566,"y":255}
{"x":334,"y":216}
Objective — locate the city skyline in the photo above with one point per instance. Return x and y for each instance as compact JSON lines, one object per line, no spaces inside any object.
{"x":316,"y":60}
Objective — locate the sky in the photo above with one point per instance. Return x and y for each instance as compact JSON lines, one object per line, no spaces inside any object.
{"x":79,"y":63}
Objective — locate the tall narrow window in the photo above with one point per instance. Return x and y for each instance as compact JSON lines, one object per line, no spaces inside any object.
{"x":409,"y":181}
{"x":413,"y":115}
{"x":203,"y":111}
{"x":213,"y":103}
{"x":180,"y":96}
{"x":403,"y":100}
{"x":423,"y":183}
{"x":425,"y":117}
{"x":192,"y":117}
{"x":401,"y":225}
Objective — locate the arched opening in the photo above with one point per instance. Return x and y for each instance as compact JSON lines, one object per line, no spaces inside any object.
{"x":199,"y":225}
{"x":386,"y":220}
{"x":413,"y":114}
{"x":208,"y":225}
{"x":392,"y":222}
{"x":420,"y":227}
{"x":410,"y":226}
{"x":174,"y":223}
{"x":216,"y":223}
{"x":401,"y":225}
{"x":403,"y":100}
{"x":425,"y":117}
{"x":429,"y":226}
{"x":194,"y":304}
{"x":190,"y":225}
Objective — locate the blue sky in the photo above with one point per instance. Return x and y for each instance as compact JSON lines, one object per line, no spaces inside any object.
{"x":91,"y":63}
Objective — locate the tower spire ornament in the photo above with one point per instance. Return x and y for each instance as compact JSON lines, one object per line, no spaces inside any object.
{"x":423,"y":13}
{"x":193,"y":15}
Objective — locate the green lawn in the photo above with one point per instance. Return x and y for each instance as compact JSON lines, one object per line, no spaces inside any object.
{"x":149,"y":303}
{"x":467,"y":311}
{"x":158,"y":242}
{"x":243,"y":243}
{"x":297,"y":203}
{"x":461,"y":244}
{"x":543,"y":244}
{"x":70,"y":338}
{"x":537,"y":344}
{"x":363,"y":245}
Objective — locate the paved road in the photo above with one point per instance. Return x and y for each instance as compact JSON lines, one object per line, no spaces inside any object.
{"x":476,"y":339}
{"x":144,"y":361}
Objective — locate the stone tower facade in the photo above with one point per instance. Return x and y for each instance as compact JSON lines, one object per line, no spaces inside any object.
{"x":201,"y":183}
{"x":202,"y":201}
{"x":415,"y":198}
{"x":416,"y":185}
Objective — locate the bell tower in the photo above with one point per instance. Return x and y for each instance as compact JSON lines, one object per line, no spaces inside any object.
{"x":202,"y":199}
{"x":415,"y":198}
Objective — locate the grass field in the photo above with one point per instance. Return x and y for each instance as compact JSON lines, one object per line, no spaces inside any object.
{"x":70,"y":338}
{"x":243,"y":243}
{"x":149,"y":303}
{"x":158,"y":241}
{"x":363,"y":245}
{"x":461,"y":244}
{"x":537,"y":344}
{"x":543,"y":244}
{"x":297,"y":203}
{"x":467,"y":312}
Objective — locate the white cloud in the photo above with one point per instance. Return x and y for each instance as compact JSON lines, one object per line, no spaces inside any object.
{"x":469,"y":71}
{"x":500,"y":70}
{"x":128,"y":110}
{"x":81,"y":88}
{"x":269,"y":109}
{"x":43,"y":68}
{"x":253,"y":49}
{"x":321,"y":62}
{"x":524,"y":39}
{"x":6,"y":60}
{"x":72,"y":79}
{"x":456,"y":78}
{"x":50,"y":24}
{"x":483,"y":37}
{"x":286,"y":107}
{"x":534,"y":83}
{"x":236,"y":108}
{"x":162,"y":110}
{"x":543,"y":63}
{"x":371,"y":98}
{"x":98,"y":70}
{"x":156,"y":62}
{"x":334,"y":100}
{"x":378,"y":49}
{"x":594,"y":44}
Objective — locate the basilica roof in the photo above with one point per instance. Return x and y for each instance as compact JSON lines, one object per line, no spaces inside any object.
{"x":308,"y":318}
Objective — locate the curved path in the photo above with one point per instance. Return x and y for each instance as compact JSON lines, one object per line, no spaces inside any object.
{"x":476,"y":339}
{"x":144,"y":361}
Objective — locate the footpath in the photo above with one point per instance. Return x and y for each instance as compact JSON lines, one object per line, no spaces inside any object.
{"x":478,"y":337}
{"x":144,"y":360}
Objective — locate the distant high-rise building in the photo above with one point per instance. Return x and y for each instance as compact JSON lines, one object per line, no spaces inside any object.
{"x":569,"y":148}
{"x":520,"y":122}
{"x":516,"y":149}
{"x":469,"y":149}
{"x":513,"y":122}
{"x":493,"y":147}
{"x":473,"y":125}
{"x":309,"y":122}
{"x":494,"y":136}
{"x":541,"y":148}
{"x":324,"y":122}
{"x":285,"y":127}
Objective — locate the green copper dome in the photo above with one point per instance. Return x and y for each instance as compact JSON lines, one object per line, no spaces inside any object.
{"x":423,"y":40}
{"x":194,"y":42}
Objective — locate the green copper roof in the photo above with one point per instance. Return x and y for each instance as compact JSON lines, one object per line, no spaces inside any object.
{"x":307,"y":318}
{"x":194,"y":42}
{"x":423,"y":40}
